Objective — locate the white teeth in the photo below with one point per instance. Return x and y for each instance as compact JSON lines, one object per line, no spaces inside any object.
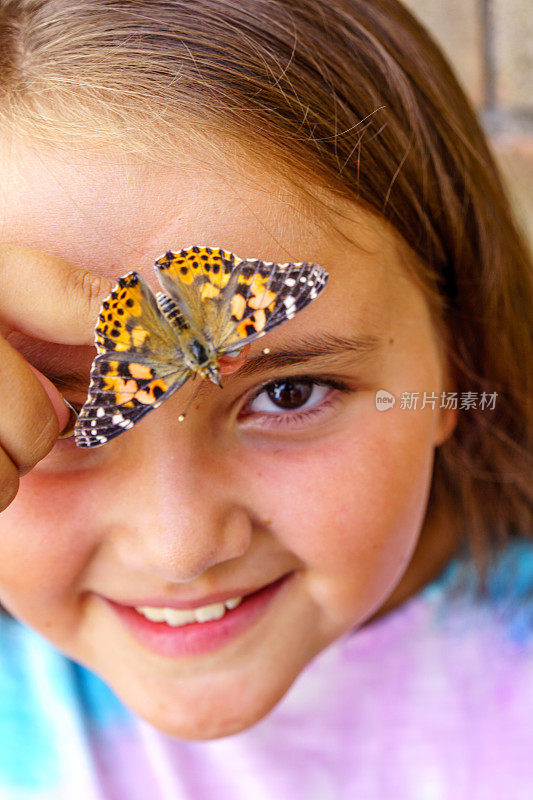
{"x":155,"y":614}
{"x":214,"y":611}
{"x":183,"y":616}
{"x":177,"y":616}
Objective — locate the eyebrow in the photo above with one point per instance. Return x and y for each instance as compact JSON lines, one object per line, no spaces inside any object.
{"x":320,"y":345}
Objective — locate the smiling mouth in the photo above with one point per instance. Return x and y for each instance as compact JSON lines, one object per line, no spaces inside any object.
{"x":176,"y":617}
{"x":177,"y":632}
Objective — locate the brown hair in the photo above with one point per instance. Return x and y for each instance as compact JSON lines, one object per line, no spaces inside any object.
{"x":355,"y":96}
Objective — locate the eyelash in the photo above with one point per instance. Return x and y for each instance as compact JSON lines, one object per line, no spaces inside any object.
{"x":299,"y":417}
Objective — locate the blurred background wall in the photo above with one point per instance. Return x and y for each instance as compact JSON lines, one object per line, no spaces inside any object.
{"x":490,"y":45}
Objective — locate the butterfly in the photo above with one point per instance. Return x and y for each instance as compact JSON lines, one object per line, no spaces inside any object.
{"x":212,"y":304}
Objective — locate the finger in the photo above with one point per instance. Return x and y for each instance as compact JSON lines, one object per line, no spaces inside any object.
{"x":28,"y":424}
{"x":9,"y":480}
{"x":56,"y":398}
{"x":49,"y":298}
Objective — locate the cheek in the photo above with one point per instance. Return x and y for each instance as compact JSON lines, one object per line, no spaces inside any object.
{"x":351,"y":507}
{"x":45,"y":544}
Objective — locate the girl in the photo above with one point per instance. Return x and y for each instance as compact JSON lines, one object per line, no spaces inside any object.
{"x":355,"y":501}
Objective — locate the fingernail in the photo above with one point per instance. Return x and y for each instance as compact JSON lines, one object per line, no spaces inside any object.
{"x":69,"y":428}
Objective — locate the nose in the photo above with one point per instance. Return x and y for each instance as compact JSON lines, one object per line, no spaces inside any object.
{"x":179,"y":514}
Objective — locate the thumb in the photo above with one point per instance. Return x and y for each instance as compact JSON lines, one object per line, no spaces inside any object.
{"x":55,"y":397}
{"x":47,"y":297}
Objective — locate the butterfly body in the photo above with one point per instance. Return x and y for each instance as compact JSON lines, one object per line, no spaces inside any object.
{"x":200,"y":355}
{"x":212,"y":305}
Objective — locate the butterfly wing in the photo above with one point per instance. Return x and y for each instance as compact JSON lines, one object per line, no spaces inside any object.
{"x":236,"y":301}
{"x":131,"y":321}
{"x":120,"y":394}
{"x":192,"y":278}
{"x":138,"y":365}
{"x":260,"y":296}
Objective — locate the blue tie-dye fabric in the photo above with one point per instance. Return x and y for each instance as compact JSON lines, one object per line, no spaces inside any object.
{"x":434,"y":701}
{"x":508,"y":591}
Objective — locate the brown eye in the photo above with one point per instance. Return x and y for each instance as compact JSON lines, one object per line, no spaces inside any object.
{"x":293,"y":402}
{"x":289,"y":394}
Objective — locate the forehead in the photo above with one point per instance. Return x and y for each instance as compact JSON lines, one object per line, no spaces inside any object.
{"x":113,"y":213}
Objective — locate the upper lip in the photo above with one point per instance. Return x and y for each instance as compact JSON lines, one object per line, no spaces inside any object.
{"x":216,"y":597}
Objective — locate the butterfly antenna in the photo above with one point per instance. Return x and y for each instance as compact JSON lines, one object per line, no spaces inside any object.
{"x":191,"y":400}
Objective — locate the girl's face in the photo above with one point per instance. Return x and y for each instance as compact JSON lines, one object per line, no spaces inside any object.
{"x":322,"y":494}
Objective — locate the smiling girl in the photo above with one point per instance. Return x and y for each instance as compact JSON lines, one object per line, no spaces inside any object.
{"x":368,"y":564}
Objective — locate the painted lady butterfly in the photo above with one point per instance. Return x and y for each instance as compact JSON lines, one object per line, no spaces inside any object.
{"x":213,"y":304}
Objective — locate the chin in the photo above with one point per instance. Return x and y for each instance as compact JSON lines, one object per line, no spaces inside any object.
{"x":204,"y":726}
{"x":209,"y":717}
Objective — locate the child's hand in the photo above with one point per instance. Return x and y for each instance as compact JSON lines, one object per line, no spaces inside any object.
{"x":46,"y":298}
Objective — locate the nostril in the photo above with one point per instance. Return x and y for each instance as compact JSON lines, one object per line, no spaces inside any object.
{"x":182,"y":542}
